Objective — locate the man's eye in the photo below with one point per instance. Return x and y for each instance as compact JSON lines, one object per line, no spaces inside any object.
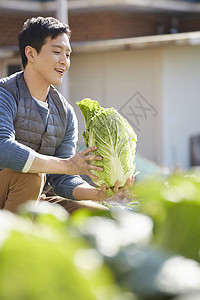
{"x":56,"y":52}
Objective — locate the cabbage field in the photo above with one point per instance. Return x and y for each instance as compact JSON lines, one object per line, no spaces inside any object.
{"x":144,"y":248}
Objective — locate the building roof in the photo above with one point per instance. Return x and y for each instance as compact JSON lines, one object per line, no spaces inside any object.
{"x":179,"y":39}
{"x":48,"y":6}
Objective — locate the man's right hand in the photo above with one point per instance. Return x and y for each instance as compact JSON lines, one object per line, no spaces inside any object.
{"x":75,"y":165}
{"x":78,"y":164}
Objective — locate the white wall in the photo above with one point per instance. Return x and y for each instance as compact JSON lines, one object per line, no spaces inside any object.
{"x":181,"y":102}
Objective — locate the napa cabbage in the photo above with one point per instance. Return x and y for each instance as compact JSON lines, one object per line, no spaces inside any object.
{"x":115,"y":139}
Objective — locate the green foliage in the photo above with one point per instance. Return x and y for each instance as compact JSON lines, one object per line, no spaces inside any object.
{"x":145,"y":251}
{"x":174,"y":205}
{"x":115,"y":139}
{"x":124,"y":239}
{"x":43,"y":259}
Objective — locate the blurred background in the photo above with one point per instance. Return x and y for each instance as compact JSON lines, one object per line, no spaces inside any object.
{"x":141,"y":57}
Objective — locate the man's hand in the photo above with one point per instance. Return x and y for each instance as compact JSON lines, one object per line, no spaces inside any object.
{"x":102,"y":193}
{"x":75,"y":165}
{"x":78,"y":164}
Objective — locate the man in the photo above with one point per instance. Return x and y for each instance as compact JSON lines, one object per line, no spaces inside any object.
{"x":38,"y":127}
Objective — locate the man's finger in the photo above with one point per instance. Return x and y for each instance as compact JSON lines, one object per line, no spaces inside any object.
{"x":103,"y":187}
{"x":91,"y":167}
{"x":129,"y":182}
{"x":116,"y":187}
{"x":89,"y":149}
{"x":92,"y":176}
{"x":93,"y":157}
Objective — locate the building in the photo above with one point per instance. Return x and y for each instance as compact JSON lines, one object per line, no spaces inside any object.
{"x":141,"y":57}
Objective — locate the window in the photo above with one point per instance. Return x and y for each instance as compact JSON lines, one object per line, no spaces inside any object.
{"x":9,"y":66}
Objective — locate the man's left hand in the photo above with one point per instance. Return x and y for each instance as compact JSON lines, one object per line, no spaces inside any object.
{"x":117,"y":190}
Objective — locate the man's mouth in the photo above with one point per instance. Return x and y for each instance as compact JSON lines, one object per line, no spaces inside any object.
{"x":60,"y":71}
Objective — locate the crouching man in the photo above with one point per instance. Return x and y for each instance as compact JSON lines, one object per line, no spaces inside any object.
{"x":38,"y":127}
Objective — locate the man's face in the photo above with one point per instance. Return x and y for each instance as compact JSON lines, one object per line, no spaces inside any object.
{"x":53,"y":60}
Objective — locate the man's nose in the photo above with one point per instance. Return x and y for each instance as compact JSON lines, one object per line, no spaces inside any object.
{"x":64,"y":59}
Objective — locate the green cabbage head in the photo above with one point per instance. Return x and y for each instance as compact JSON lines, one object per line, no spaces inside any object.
{"x":115,"y":139}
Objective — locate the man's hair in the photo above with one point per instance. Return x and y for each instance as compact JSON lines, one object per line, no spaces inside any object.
{"x":35,"y":31}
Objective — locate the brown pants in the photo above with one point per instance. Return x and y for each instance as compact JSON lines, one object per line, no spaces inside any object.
{"x":17,"y":188}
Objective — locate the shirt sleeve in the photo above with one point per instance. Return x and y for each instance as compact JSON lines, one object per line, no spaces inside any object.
{"x":13,"y":155}
{"x":64,"y":185}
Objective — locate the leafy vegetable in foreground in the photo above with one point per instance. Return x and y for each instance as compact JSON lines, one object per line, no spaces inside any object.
{"x":115,"y":139}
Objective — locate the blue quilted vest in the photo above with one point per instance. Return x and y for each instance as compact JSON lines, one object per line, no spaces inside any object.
{"x":28,"y":124}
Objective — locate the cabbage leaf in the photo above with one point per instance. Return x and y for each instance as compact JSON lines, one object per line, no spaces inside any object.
{"x":115,"y":139}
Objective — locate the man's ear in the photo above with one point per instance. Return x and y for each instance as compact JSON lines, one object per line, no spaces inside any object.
{"x":30,"y":53}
